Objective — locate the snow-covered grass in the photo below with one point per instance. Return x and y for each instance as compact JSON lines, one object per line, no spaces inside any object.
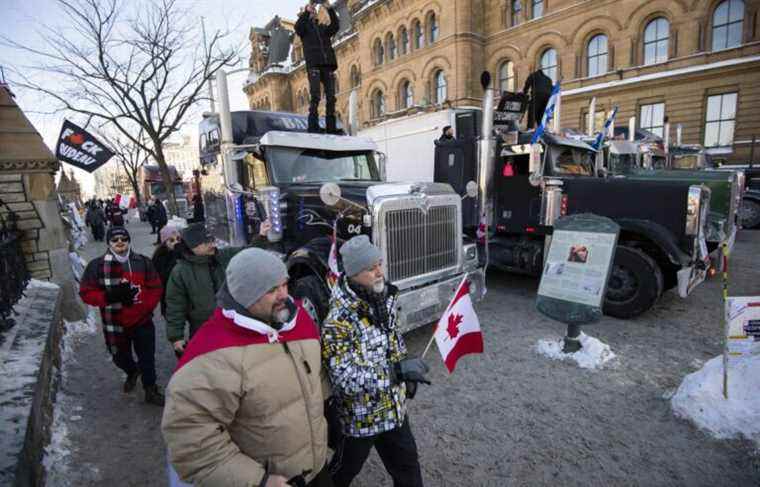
{"x":700,"y":398}
{"x":594,"y":354}
{"x":58,"y":451}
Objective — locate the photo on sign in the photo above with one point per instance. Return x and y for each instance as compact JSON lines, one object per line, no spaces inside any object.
{"x":579,"y":254}
{"x":752,"y":329}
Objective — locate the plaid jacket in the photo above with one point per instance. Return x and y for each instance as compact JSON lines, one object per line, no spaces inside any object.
{"x":106,"y":271}
{"x":359,"y":357}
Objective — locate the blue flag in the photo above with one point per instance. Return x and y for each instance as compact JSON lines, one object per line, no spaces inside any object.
{"x":548,"y":114}
{"x":600,"y":138}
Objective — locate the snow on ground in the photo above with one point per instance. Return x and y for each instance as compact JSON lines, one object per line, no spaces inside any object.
{"x":700,"y":398}
{"x":592,"y":355}
{"x":57,"y":453}
{"x":42,"y":284}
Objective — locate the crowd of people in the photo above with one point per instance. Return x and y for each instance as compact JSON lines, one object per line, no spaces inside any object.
{"x":273,"y":398}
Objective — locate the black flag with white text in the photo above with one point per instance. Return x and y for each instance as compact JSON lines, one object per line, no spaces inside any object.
{"x":79,"y":148}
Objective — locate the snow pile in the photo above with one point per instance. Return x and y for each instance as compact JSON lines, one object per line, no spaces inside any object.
{"x":42,"y":284}
{"x":177,"y":222}
{"x":592,"y":355}
{"x":700,"y":397}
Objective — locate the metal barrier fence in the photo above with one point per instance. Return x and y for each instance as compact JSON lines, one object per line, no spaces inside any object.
{"x":13,"y":273}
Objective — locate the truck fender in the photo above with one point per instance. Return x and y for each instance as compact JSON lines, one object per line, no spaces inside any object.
{"x":659,"y":236}
{"x":752,"y":194}
{"x":312,"y":258}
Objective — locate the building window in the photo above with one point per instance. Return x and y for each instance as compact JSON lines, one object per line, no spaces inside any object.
{"x":538,"y":9}
{"x":439,"y":82}
{"x":407,"y":95}
{"x":390,"y":47}
{"x":600,"y":118}
{"x":419,"y":36}
{"x":356,"y":78}
{"x":720,"y":120}
{"x":378,"y":104}
{"x":379,"y":52}
{"x":403,"y":38}
{"x":597,"y":55}
{"x":549,"y":64}
{"x":652,"y":118}
{"x":728,"y":21}
{"x":301,"y":101}
{"x":507,"y":76}
{"x":337,"y":83}
{"x":656,"y":37}
{"x":516,"y":11}
{"x":433,"y":30}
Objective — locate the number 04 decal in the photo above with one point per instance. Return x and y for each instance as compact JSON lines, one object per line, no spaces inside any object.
{"x":357,"y":229}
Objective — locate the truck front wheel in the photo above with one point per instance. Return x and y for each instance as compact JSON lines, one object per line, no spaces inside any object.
{"x":749,"y":213}
{"x":314,"y":297}
{"x":635,"y":284}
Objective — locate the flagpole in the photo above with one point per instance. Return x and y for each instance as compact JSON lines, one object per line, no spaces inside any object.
{"x":432,"y":339}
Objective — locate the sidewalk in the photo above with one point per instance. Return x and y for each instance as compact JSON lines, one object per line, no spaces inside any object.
{"x":113,"y":439}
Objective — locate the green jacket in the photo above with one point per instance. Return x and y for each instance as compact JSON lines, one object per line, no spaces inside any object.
{"x":191,"y":291}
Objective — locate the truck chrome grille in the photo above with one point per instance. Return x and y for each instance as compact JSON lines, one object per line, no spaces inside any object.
{"x":420,"y":243}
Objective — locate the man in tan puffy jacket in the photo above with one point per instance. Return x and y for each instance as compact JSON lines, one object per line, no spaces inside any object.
{"x":245,"y":405}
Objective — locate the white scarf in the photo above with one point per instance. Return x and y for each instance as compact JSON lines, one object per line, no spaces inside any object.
{"x":121,"y":259}
{"x":259,"y":326}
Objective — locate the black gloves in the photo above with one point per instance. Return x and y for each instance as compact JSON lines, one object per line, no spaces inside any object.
{"x":412,"y":370}
{"x":122,"y":293}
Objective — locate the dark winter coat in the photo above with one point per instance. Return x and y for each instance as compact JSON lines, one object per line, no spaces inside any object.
{"x":117,"y":217}
{"x":191,"y":290}
{"x":151,"y":214}
{"x":160,"y":214}
{"x":164,"y":261}
{"x":317,"y":40}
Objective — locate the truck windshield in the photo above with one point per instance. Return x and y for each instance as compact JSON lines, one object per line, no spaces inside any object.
{"x":292,"y":165}
{"x":623,"y":163}
{"x":567,"y":160}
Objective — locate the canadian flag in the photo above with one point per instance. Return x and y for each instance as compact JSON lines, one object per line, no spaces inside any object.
{"x":121,"y":201}
{"x":458,"y":330}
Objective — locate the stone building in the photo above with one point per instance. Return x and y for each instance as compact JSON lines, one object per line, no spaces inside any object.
{"x":693,"y":62}
{"x":69,"y":188}
{"x":182,"y":153}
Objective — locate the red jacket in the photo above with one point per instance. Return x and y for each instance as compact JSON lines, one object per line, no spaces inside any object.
{"x":139,"y":272}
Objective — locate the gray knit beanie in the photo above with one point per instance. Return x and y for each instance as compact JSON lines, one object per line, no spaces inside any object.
{"x":252,"y":273}
{"x":359,"y":254}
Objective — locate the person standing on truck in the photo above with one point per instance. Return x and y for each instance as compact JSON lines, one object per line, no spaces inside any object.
{"x":245,"y":405}
{"x":126,"y":288}
{"x":195,"y":280}
{"x":540,"y":88}
{"x":447,"y":134}
{"x":316,"y":28}
{"x":365,"y":358}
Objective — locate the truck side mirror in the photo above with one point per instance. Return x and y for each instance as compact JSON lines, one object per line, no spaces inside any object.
{"x":330,"y":194}
{"x":471,"y":190}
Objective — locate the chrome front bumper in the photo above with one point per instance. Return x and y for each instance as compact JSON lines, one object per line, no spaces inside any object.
{"x":426,"y":304}
{"x":692,"y":276}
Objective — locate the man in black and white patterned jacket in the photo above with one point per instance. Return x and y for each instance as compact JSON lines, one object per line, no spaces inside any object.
{"x":365,"y":357}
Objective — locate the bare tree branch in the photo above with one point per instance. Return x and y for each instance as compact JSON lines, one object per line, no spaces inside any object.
{"x":137,"y":67}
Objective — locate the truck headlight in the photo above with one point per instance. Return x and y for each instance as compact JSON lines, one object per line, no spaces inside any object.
{"x":693,"y":210}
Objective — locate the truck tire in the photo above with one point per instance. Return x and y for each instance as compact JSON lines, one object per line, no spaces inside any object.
{"x":636,"y":282}
{"x":749,"y":213}
{"x":314,"y":297}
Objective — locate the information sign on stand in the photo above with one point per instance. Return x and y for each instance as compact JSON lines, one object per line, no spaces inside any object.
{"x":576,"y":271}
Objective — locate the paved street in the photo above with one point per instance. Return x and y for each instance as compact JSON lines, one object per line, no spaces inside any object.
{"x":508,"y":417}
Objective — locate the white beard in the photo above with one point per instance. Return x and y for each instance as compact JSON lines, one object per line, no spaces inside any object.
{"x":281,"y":316}
{"x":379,"y":286}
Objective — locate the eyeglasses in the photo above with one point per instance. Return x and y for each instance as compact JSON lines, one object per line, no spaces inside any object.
{"x":172,"y":240}
{"x":120,"y":239}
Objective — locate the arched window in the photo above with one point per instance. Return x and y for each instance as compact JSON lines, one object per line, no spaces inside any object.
{"x":301,"y":101}
{"x":378,"y":104}
{"x":406,"y":95}
{"x":419,"y":36}
{"x":337,"y":83}
{"x":515,"y":12}
{"x":549,"y":64}
{"x":728,"y":23}
{"x":379,"y":52}
{"x":356,"y":77}
{"x":433,"y":30}
{"x":656,"y":37}
{"x":538,"y":9}
{"x":390,"y":47}
{"x":440,"y":87}
{"x":597,"y":55}
{"x":507,"y":76}
{"x":403,"y":39}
